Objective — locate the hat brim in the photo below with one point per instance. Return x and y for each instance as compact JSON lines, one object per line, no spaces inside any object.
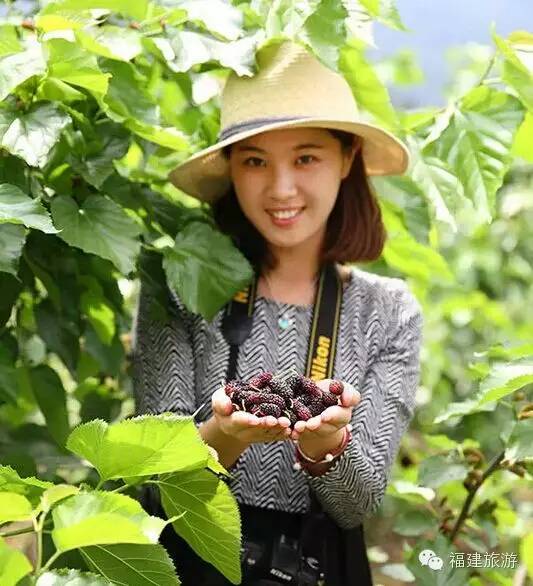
{"x":205,"y":175}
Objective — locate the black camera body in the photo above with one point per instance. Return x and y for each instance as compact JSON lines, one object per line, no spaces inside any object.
{"x":280,"y":562}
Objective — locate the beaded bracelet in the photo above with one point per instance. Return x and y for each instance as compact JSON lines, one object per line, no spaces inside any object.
{"x":303,"y":460}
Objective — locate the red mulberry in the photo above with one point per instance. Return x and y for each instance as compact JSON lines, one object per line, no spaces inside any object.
{"x":261,"y":380}
{"x":302,"y":412}
{"x":309,"y":387}
{"x":336,"y":387}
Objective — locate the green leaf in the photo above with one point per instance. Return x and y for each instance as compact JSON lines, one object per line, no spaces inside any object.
{"x":32,"y":488}
{"x":154,"y":443}
{"x":132,"y":564}
{"x":9,"y":41}
{"x":218,"y":16}
{"x":404,"y":253}
{"x":51,"y":398}
{"x":462,"y":408}
{"x":100,"y":518}
{"x":476,"y":145}
{"x":57,"y":493}
{"x":368,"y":91}
{"x":137,"y":9}
{"x":211,"y":524}
{"x":72,"y":64}
{"x":17,"y":68}
{"x":14,"y":507}
{"x":412,"y":523}
{"x":504,"y":379}
{"x":325,"y":31}
{"x":18,"y":208}
{"x":55,"y":90}
{"x":12,"y":238}
{"x":409,"y":198}
{"x":111,"y":41}
{"x":14,"y":565}
{"x":99,"y":227}
{"x":100,"y":314}
{"x":523,"y":141}
{"x":32,"y":134}
{"x":515,"y":72}
{"x":526,"y":553}
{"x":11,"y":288}
{"x":71,"y":578}
{"x":441,"y":468}
{"x":205,"y":269}
{"x":520,"y":442}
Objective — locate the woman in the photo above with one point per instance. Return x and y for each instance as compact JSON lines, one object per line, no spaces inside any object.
{"x":288,"y":182}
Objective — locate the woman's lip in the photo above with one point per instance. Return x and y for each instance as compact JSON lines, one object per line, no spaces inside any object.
{"x":284,"y":222}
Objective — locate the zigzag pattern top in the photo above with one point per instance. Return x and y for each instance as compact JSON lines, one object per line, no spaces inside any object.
{"x":179,"y":365}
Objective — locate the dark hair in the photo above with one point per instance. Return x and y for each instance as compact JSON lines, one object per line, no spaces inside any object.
{"x":354,"y":231}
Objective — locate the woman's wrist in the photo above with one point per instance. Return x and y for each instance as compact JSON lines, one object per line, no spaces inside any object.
{"x":317,"y":467}
{"x":317,"y":448}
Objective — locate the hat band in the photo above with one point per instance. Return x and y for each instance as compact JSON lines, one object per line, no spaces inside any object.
{"x":253,"y":124}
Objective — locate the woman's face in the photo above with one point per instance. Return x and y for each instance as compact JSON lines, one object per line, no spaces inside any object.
{"x":280,"y":171}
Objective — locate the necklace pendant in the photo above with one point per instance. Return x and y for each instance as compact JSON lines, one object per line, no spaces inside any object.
{"x":284,"y":322}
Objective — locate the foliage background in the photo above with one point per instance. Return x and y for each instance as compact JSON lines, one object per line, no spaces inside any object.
{"x":101,"y":98}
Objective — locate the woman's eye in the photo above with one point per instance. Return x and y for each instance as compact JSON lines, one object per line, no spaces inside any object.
{"x":246,"y":162}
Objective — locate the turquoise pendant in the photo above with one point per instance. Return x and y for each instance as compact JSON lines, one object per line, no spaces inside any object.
{"x":284,"y":322}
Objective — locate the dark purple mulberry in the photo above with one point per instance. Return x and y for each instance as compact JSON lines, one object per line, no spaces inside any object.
{"x":270,"y":409}
{"x":301,"y":411}
{"x":329,"y":399}
{"x":293,"y":381}
{"x":283,"y":390}
{"x":309,"y":387}
{"x":261,"y":380}
{"x":316,"y":407}
{"x":231,"y":386}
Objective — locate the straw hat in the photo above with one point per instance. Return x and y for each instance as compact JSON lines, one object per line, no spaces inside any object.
{"x":291,"y":89}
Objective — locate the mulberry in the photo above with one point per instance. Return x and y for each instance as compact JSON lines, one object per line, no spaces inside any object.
{"x":329,"y":399}
{"x":270,"y":409}
{"x":316,"y":407}
{"x":261,"y":380}
{"x":336,"y":387}
{"x":231,"y":386}
{"x":309,"y":387}
{"x":302,"y":412}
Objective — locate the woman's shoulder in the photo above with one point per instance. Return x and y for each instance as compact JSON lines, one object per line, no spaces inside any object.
{"x":383,"y":294}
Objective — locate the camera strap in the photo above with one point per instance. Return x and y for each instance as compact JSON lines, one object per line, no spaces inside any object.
{"x":345,"y":546}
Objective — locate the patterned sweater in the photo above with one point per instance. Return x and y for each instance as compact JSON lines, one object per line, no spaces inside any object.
{"x":179,"y":365}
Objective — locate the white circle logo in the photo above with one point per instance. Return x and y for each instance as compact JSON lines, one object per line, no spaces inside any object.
{"x":429,"y":558}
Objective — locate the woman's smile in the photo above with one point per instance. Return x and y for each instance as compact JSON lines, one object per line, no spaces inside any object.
{"x":285,"y":217}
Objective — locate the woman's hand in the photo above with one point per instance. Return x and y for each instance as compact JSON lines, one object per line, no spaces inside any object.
{"x":322,"y":433}
{"x":245,"y":427}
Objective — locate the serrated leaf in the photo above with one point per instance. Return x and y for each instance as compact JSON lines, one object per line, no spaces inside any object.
{"x":504,"y":379}
{"x":9,"y":41}
{"x":12,"y":238}
{"x":205,"y":269}
{"x":154,"y":443}
{"x":111,"y":41}
{"x":18,"y":208}
{"x":325,"y":31}
{"x":520,"y":442}
{"x":72,"y":64}
{"x":368,"y":91}
{"x":211,"y":524}
{"x":32,"y":134}
{"x":515,"y":72}
{"x":57,"y":493}
{"x":30,"y":487}
{"x":440,"y":469}
{"x":51,"y":398}
{"x":476,"y":145}
{"x":132,"y":564}
{"x":218,"y":16}
{"x":102,"y":518}
{"x":99,"y":227}
{"x":71,"y":578}
{"x":17,"y":68}
{"x":14,"y":565}
{"x":14,"y":507}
